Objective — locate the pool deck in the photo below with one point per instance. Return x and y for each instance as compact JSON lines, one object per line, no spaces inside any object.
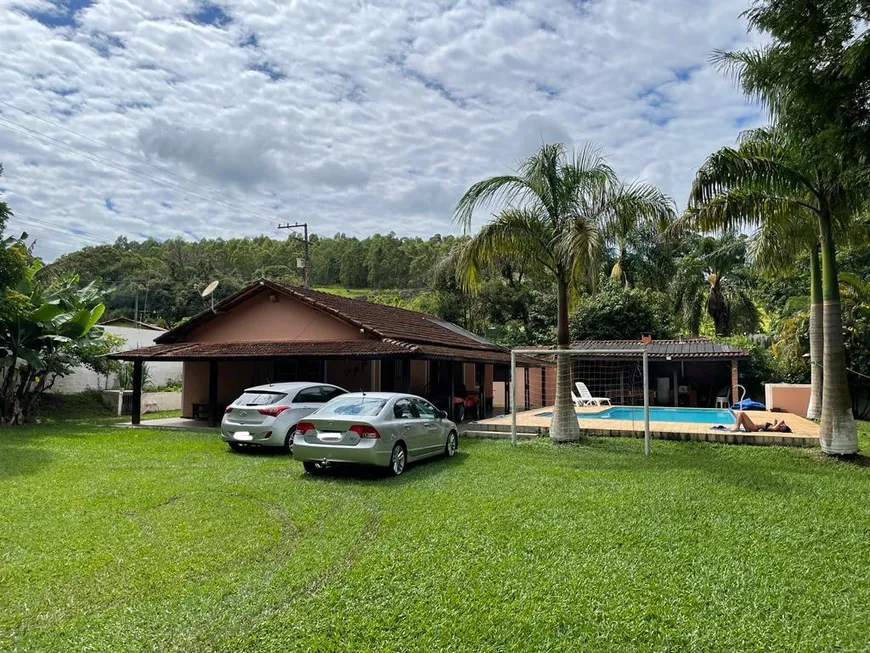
{"x":804,"y":432}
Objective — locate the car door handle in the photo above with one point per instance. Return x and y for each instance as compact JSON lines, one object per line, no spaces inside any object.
{"x":406,"y":426}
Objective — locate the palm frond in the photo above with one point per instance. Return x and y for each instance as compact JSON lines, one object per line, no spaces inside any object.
{"x":728,"y":169}
{"x":504,"y":189}
{"x":516,"y":235}
{"x":740,"y":208}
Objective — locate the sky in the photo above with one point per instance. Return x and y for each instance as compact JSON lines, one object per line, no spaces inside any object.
{"x":167,"y":119}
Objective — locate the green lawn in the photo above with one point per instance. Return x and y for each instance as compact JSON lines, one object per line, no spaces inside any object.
{"x":115,"y":539}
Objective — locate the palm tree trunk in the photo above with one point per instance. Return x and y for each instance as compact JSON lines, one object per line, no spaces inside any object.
{"x":564,"y":426}
{"x":837,"y":431}
{"x":817,"y":336}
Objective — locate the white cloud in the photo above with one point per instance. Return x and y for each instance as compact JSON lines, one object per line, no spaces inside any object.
{"x":371,"y":117}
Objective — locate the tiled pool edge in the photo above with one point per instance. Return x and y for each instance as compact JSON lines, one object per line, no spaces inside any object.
{"x":503,"y":431}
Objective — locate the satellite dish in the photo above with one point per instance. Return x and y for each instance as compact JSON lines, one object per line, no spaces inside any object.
{"x":209,"y":289}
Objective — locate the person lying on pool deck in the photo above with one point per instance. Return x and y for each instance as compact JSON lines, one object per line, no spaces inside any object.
{"x":750,"y":427}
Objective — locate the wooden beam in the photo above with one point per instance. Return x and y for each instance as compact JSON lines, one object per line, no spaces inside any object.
{"x":136,"y":411}
{"x":213,"y":417}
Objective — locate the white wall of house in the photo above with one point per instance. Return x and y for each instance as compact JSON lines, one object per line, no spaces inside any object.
{"x":83,"y":378}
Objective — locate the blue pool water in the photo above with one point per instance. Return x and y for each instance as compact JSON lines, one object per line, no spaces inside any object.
{"x":656,"y":414}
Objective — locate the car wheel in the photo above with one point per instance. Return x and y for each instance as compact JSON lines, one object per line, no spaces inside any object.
{"x":313,"y":467}
{"x":398,"y":460}
{"x":288,"y":441}
{"x":452,"y":444}
{"x":458,"y":412}
{"x":235,"y":446}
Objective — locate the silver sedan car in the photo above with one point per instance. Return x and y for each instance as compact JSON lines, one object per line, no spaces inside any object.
{"x":266,"y":415}
{"x":387,"y":429}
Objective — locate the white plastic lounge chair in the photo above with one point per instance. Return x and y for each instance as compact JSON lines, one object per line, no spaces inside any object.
{"x":577,"y":400}
{"x":586,"y":396}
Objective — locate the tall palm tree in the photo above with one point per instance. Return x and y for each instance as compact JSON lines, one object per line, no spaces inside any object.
{"x":775,"y":247}
{"x":554,"y":213}
{"x":711,"y":277}
{"x":770,"y":178}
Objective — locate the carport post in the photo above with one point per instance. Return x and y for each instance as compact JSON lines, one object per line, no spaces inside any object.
{"x":646,"y":434}
{"x":213,"y":418}
{"x":136,"y":407}
{"x":452,"y":409}
{"x":513,"y":412}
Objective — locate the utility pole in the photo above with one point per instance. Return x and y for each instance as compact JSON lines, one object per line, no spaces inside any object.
{"x":307,"y":259}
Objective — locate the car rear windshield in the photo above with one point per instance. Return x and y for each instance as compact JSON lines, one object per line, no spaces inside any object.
{"x":364,"y":406}
{"x":260,"y":398}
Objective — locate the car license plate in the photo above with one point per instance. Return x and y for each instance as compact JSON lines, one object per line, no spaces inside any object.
{"x":331,"y":436}
{"x":243,"y":435}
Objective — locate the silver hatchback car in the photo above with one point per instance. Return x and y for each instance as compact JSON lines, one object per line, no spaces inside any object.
{"x":266,"y":415}
{"x":374,"y":428}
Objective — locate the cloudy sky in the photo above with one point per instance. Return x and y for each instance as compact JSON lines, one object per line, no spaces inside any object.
{"x":157,"y":118}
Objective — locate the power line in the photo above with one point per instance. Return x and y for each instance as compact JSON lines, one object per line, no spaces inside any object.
{"x":27,"y":131}
{"x":136,"y":158}
{"x":57,"y":224}
{"x":57,"y":228}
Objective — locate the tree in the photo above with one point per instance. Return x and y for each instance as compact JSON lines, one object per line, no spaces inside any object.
{"x":619,"y":313}
{"x":555,"y":212}
{"x":812,"y":77}
{"x":770,"y":179}
{"x":711,"y":276}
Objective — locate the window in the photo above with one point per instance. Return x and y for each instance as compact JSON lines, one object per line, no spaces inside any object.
{"x":259,"y":398}
{"x":425,"y":409}
{"x":312,"y":395}
{"x":404,"y":409}
{"x":353,"y":405}
{"x":332,"y":393}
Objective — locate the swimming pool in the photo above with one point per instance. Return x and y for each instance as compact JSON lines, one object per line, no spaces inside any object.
{"x":657,"y":414}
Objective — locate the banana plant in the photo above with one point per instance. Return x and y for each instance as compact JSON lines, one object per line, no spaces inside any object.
{"x":41,"y":337}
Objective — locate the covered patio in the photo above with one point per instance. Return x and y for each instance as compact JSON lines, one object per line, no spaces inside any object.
{"x":691,"y":373}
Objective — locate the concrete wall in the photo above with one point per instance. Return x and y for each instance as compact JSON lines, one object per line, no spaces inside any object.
{"x":789,"y":397}
{"x":120,"y":401}
{"x":233,"y":378}
{"x":261,"y":319}
{"x":83,"y":378}
{"x":419,"y":377}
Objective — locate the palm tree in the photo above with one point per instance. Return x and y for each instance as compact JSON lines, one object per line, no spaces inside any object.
{"x":775,"y":247}
{"x":633,"y":238}
{"x":711,"y":276}
{"x":769,"y":178}
{"x":554,"y":214}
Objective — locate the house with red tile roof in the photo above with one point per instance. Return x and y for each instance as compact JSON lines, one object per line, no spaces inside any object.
{"x":269,"y":332}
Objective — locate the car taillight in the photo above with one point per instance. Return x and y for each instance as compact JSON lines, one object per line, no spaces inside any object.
{"x":273,"y":411}
{"x":304,"y":427}
{"x":365,"y":431}
{"x":228,"y":409}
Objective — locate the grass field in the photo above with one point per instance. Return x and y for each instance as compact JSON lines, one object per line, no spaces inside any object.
{"x":346,"y":292}
{"x":116,"y":539}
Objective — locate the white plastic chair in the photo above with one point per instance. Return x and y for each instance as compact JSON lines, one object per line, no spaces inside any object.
{"x":577,"y":400}
{"x":586,"y":396}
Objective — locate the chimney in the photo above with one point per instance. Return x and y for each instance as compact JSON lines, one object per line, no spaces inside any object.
{"x":645,"y":338}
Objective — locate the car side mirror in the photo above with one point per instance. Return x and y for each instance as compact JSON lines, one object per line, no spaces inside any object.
{"x":442,"y":414}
